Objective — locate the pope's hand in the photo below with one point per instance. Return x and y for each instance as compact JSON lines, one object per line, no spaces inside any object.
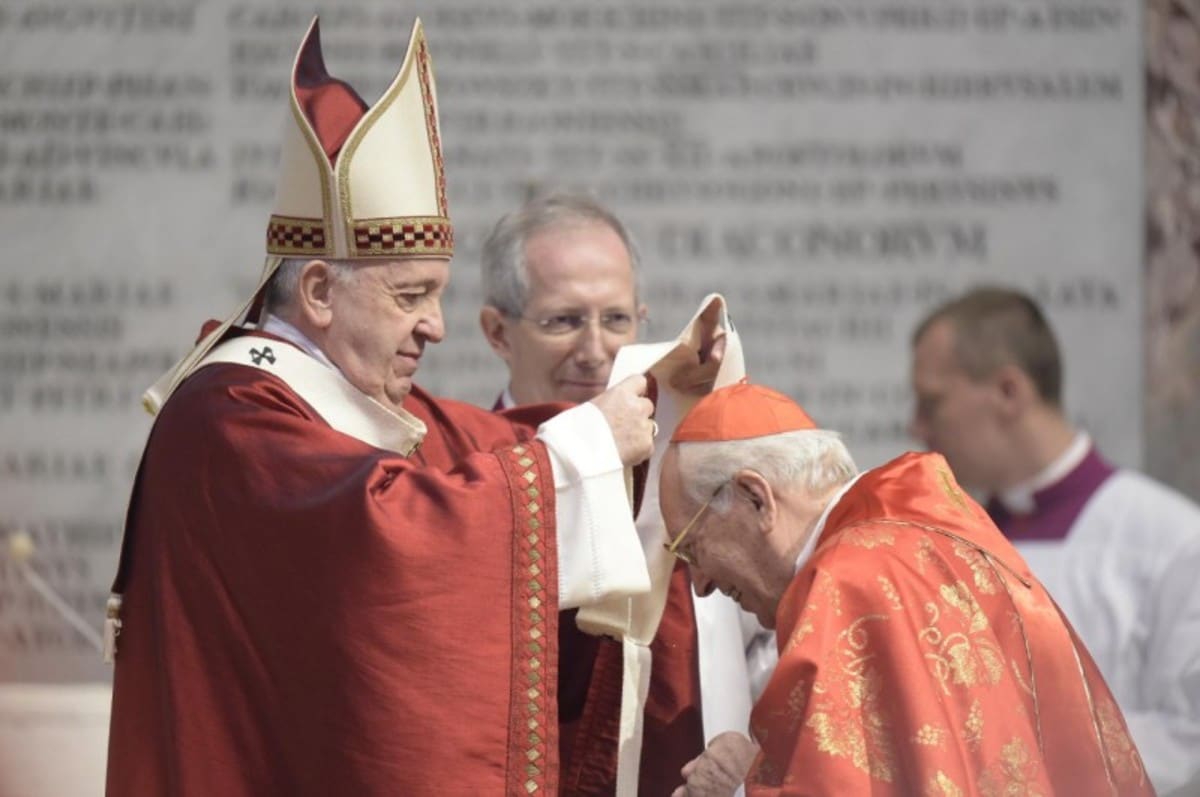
{"x":627,"y":410}
{"x":696,"y":378}
{"x":719,"y":770}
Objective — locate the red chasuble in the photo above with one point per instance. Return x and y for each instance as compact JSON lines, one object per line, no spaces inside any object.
{"x":305,"y":614}
{"x":918,"y":655}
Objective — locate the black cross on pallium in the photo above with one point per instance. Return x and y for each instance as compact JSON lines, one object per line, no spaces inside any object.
{"x":265,"y":354}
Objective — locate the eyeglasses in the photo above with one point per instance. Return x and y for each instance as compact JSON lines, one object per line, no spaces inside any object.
{"x":672,"y":547}
{"x":618,"y":322}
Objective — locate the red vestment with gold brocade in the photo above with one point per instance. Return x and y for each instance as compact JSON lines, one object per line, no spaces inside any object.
{"x":918,"y":655}
{"x":305,"y":614}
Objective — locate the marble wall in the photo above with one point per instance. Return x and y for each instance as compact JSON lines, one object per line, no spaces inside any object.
{"x":1172,"y":330}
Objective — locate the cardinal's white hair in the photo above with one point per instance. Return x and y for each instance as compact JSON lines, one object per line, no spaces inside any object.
{"x":815,"y":459}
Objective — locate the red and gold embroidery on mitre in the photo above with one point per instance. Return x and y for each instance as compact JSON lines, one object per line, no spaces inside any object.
{"x":358,"y":181}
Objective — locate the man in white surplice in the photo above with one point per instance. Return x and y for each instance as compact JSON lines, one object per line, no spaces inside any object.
{"x":1118,"y":551}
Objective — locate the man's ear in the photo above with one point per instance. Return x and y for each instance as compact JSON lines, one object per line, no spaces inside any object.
{"x":495,"y":328}
{"x":1014,"y":391}
{"x":749,"y":485}
{"x":314,"y":293}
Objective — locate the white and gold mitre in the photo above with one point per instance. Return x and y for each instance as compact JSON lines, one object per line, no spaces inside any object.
{"x":357,"y":181}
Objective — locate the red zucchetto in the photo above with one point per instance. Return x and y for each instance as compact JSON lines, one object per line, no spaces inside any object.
{"x":739,"y":412}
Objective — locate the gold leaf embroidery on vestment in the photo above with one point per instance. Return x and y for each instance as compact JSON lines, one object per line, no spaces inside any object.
{"x":974,"y":664}
{"x":931,"y":633}
{"x":946,"y":482}
{"x":803,"y":630}
{"x":1014,"y":774}
{"x":791,"y":713}
{"x":868,"y":537}
{"x":847,"y":715}
{"x":851,"y":725}
{"x":940,"y":785}
{"x":986,"y":580}
{"x":1126,"y":763}
{"x":926,"y":553}
{"x":959,"y":596}
{"x":930,"y":735}
{"x":856,"y":651}
{"x":824,"y":587}
{"x":890,"y":592}
{"x":973,"y":729}
{"x":963,"y":659}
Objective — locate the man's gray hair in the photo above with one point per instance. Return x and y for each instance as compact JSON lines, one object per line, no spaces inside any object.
{"x":815,"y":459}
{"x":504,"y":268}
{"x":281,"y":288}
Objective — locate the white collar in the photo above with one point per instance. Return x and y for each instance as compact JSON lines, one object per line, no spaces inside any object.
{"x":275,"y":325}
{"x":1019,"y":498}
{"x":811,"y":543}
